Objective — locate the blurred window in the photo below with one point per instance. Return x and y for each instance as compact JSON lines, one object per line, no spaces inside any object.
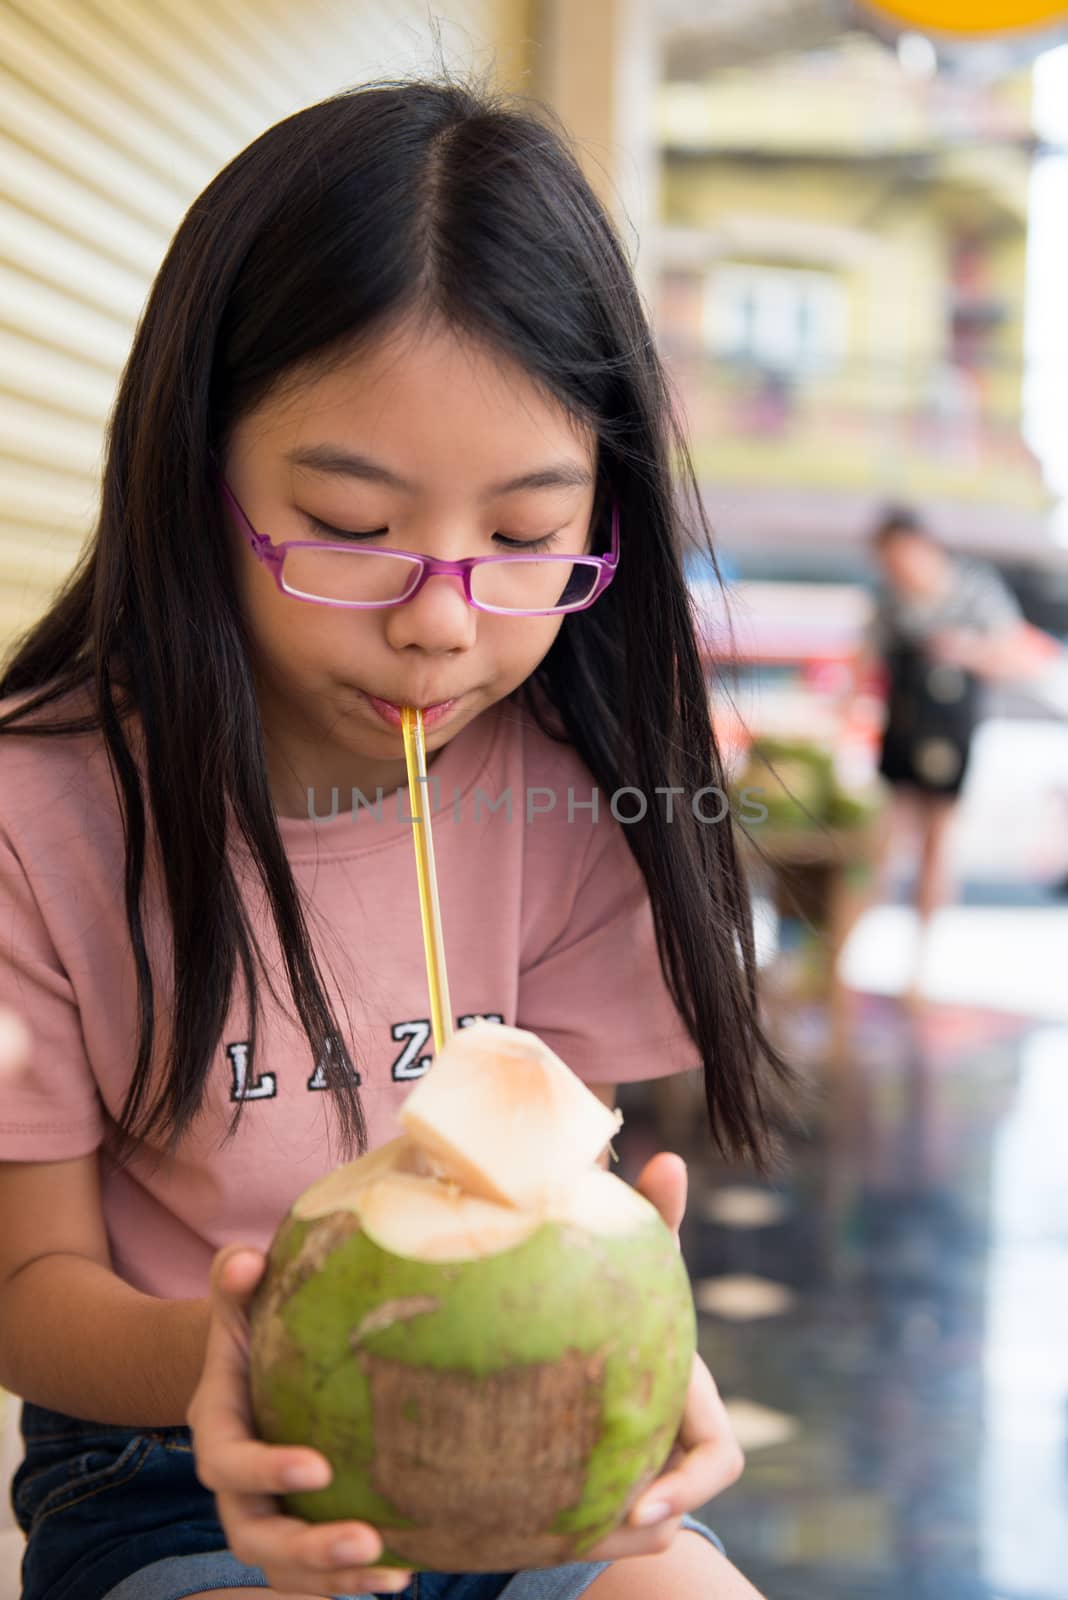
{"x":779,"y":319}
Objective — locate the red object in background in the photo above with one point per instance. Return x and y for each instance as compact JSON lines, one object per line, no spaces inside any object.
{"x":826,"y":675}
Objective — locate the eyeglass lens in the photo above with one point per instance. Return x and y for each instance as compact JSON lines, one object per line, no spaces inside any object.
{"x":369,"y":577}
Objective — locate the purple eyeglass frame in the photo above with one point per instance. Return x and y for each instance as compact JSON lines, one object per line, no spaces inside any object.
{"x":273,"y":555}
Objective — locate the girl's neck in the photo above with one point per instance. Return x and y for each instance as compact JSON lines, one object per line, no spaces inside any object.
{"x":301,"y":781}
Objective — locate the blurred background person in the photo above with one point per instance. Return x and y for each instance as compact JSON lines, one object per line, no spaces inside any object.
{"x":943,"y":626}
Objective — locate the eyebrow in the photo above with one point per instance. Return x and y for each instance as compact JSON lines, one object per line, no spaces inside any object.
{"x":332,"y":459}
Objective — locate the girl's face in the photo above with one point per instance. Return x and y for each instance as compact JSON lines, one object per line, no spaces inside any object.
{"x":453,"y":451}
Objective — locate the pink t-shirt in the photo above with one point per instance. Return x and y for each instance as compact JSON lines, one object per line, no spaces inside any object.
{"x":547,"y":926}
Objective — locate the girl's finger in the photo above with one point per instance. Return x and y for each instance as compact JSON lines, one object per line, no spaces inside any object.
{"x":261,"y":1536}
{"x":322,"y":1586}
{"x":706,"y":1471}
{"x":663,"y":1182}
{"x":712,"y":1460}
{"x":220,"y":1405}
{"x":219,"y":1416}
{"x":235,"y":1272}
{"x":338,"y":1581}
{"x":228,"y":1461}
{"x":704,"y":1414}
{"x":628,"y":1541}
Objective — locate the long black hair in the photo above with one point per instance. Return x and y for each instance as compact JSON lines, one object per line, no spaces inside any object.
{"x":416,"y":196}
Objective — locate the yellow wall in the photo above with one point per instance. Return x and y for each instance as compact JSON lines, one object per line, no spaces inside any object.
{"x":113,"y":118}
{"x":813,"y":166}
{"x":853,"y":99}
{"x":890,"y":265}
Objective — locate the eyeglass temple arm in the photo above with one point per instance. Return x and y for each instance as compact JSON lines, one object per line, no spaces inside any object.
{"x":613,"y":555}
{"x":261,"y":544}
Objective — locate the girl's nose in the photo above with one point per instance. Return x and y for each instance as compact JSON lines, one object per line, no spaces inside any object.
{"x":437,"y":620}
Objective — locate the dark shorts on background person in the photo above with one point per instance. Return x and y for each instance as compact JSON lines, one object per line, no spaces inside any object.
{"x":932,"y":714}
{"x":934,"y":766}
{"x":118,"y":1514}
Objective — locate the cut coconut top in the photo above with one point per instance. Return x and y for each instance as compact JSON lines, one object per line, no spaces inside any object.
{"x":500,"y":1138}
{"x":334,"y":1191}
{"x":504,"y":1115}
{"x":428,"y":1218}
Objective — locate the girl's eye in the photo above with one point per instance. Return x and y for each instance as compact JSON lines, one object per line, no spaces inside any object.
{"x":327,"y":531}
{"x":528,"y":546}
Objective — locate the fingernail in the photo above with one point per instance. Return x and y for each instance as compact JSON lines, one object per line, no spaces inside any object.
{"x":350,"y":1553}
{"x":652,"y":1511}
{"x":244,"y":1261}
{"x":355,"y":1552}
{"x":306,"y":1475}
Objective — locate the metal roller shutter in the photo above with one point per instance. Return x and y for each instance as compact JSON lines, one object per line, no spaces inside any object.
{"x":113,"y":115}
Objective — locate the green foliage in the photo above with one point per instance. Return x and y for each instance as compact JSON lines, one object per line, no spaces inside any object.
{"x":799,"y":788}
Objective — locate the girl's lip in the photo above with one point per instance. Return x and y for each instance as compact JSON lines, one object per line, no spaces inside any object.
{"x":392,"y":714}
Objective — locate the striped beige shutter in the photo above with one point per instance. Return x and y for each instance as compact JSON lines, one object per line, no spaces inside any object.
{"x":114,"y":114}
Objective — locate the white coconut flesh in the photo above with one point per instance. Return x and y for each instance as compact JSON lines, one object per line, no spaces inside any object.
{"x":430,"y":1218}
{"x":500,"y":1139}
{"x":506,"y":1117}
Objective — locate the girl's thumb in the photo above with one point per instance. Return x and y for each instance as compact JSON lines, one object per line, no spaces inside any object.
{"x":663,"y":1182}
{"x":235,"y":1272}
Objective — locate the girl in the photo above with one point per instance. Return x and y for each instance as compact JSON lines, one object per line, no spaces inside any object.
{"x":394,"y":342}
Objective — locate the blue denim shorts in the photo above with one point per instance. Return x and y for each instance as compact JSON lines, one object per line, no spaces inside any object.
{"x":118,"y":1514}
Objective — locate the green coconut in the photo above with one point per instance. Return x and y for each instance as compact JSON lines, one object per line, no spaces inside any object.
{"x":487,"y":1335}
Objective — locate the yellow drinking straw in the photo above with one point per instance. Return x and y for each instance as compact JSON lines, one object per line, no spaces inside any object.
{"x":415,"y":757}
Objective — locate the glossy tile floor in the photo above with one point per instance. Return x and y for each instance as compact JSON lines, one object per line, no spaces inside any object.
{"x":888,"y":1319}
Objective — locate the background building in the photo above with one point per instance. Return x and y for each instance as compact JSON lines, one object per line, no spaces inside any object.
{"x":843,"y":278}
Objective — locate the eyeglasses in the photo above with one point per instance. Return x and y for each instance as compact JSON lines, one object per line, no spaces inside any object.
{"x":368,"y":580}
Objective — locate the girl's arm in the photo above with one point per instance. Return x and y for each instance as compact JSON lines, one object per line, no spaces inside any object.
{"x":1015,"y":653}
{"x":73,"y":1336}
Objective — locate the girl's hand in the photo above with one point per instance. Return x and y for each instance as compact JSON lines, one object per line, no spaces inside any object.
{"x":707,"y":1457}
{"x":299,"y":1558}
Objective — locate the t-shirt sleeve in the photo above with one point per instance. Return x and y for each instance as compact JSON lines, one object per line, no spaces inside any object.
{"x":49,"y":1108}
{"x":596,"y":994}
{"x":991,"y":605}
